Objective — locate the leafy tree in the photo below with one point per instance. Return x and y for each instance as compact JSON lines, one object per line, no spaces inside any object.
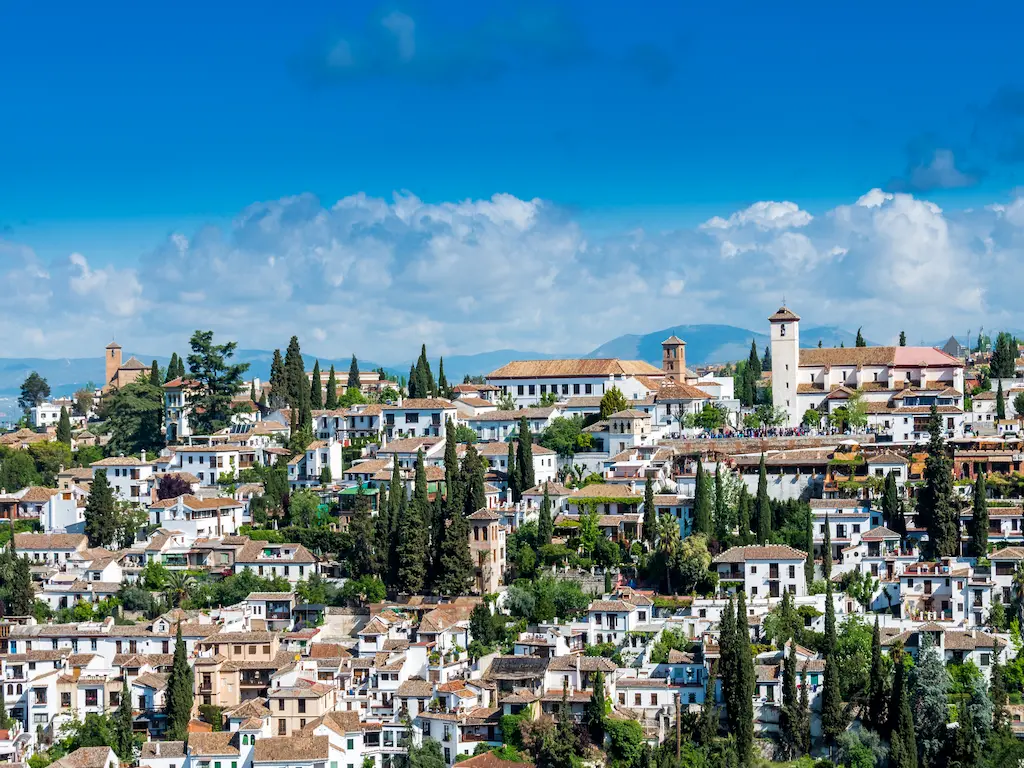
{"x":171,"y":486}
{"x":34,"y":391}
{"x":565,"y":436}
{"x":134,"y":413}
{"x":859,"y":341}
{"x":315,"y":397}
{"x":811,"y":418}
{"x":83,"y":400}
{"x":1018,"y":404}
{"x":100,"y":517}
{"x":353,"y":374}
{"x":613,"y":401}
{"x":365,"y":589}
{"x":903,"y":339}
{"x":524,"y":456}
{"x":17,"y":471}
{"x":426,"y":755}
{"x":218,"y":379}
{"x":762,"y":506}
{"x":178,"y":586}
{"x":702,"y":502}
{"x":929,"y":683}
{"x":1000,"y":401}
{"x":304,"y":509}
{"x":64,"y":427}
{"x":179,"y":692}
{"x":130,"y":519}
{"x":1004,"y":357}
{"x":545,"y":525}
{"x":936,"y":507}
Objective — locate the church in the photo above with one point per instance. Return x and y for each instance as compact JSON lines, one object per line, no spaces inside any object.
{"x":117,"y":373}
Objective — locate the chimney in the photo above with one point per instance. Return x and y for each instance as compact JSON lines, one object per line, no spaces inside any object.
{"x":143,"y":454}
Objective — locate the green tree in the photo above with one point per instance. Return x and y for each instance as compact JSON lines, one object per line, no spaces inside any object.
{"x":426,"y":755}
{"x":121,"y":726}
{"x":219,"y":381}
{"x":702,"y":502}
{"x":744,"y":507}
{"x":790,"y":715}
{"x":746,"y":683}
{"x":929,"y":685}
{"x":859,"y":341}
{"x":473,"y":473}
{"x":21,"y":594}
{"x":809,"y":562}
{"x":545,"y":525}
{"x":353,"y":375}
{"x":180,"y":685}
{"x":154,"y":375}
{"x":315,"y":396}
{"x":172,"y":368}
{"x":876,"y":716}
{"x":936,"y":508}
{"x":766,"y":361}
{"x":524,"y":456}
{"x":722,"y":524}
{"x":762,"y":506}
{"x":64,"y":427}
{"x":413,"y":541}
{"x":294,"y":373}
{"x":903,"y":339}
{"x":278,"y":380}
{"x":1000,"y":401}
{"x":100,"y":517}
{"x":331,"y":397}
{"x":133,"y":414}
{"x":1004,"y":357}
{"x":728,"y":665}
{"x":34,"y":391}
{"x":833,"y":715}
{"x":596,"y":709}
{"x":513,"y":474}
{"x":826,"y":551}
{"x":650,"y":514}
{"x":443,"y":388}
{"x":362,"y":559}
{"x":753,"y":361}
{"x":811,"y":418}
{"x":979,"y":518}
{"x":613,"y":401}
{"x":6,"y":721}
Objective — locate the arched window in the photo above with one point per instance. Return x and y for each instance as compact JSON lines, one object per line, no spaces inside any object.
{"x":782,"y":330}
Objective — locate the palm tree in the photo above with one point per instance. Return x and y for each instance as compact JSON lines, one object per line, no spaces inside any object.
{"x":669,"y":542}
{"x":179,"y":586}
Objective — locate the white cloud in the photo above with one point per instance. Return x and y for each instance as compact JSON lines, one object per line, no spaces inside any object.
{"x":379,"y":277}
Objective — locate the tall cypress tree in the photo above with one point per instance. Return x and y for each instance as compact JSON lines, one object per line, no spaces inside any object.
{"x":809,"y":562}
{"x":746,"y":683}
{"x":722,"y":525}
{"x":596,"y":709}
{"x":413,"y":527}
{"x":803,"y":725}
{"x":859,"y":341}
{"x":702,"y":503}
{"x":331,"y":397}
{"x":545,"y":525}
{"x":121,"y":726}
{"x":826,"y":551}
{"x":1000,"y":401}
{"x":443,"y":389}
{"x":315,"y":397}
{"x":903,"y":339}
{"x":524,"y":456}
{"x":353,"y":374}
{"x":891,"y":510}
{"x":513,"y":474}
{"x":790,"y":714}
{"x":744,"y":507}
{"x":179,"y":692}
{"x":100,"y":516}
{"x":413,"y":383}
{"x":937,"y":510}
{"x":22,"y":593}
{"x":382,"y":538}
{"x":979,"y":519}
{"x":278,"y":381}
{"x":294,"y":373}
{"x":362,"y":559}
{"x":833,"y":720}
{"x":753,"y":361}
{"x":902,"y":741}
{"x":650,"y":515}
{"x":762,"y":506}
{"x":727,"y":664}
{"x":473,"y":472}
{"x":876,"y":684}
{"x":64,"y":427}
{"x":172,"y":368}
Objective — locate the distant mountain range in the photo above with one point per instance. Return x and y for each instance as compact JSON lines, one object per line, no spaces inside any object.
{"x":704,"y":344}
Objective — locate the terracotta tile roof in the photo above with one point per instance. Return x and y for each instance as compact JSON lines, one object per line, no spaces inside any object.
{"x":38,"y":494}
{"x":606,"y":490}
{"x":213,"y":744}
{"x":888,"y":457}
{"x":500,"y":415}
{"x":158,"y":749}
{"x":195,"y":503}
{"x":880,"y":533}
{"x":419,"y":689}
{"x":767,"y":552}
{"x":47,"y":541}
{"x":587,"y":664}
{"x":1008,"y":553}
{"x":630,"y":413}
{"x":88,"y":757}
{"x":501,"y":449}
{"x":253,"y":553}
{"x":120,"y":461}
{"x":554,"y":488}
{"x":680,"y":391}
{"x":422,"y":404}
{"x":620,"y":606}
{"x":154,"y":680}
{"x":491,"y":760}
{"x":784,"y":313}
{"x":537,"y":369}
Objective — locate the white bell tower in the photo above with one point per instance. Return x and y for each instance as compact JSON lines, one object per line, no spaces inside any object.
{"x":785,"y":340}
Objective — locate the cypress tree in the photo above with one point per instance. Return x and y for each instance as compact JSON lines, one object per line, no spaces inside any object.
{"x":745,"y":684}
{"x":702,"y":503}
{"x":753,"y":361}
{"x":902,"y":742}
{"x":803,"y":726}
{"x":362,"y":558}
{"x":382,"y":539}
{"x":744,"y":505}
{"x":722,"y":526}
{"x":809,"y":562}
{"x":443,"y":390}
{"x":331,"y":399}
{"x":859,"y":341}
{"x":929,"y":702}
{"x":1000,"y":401}
{"x":650,"y":515}
{"x":826,"y":551}
{"x":766,"y":361}
{"x":278,"y":381}
{"x":833,"y":721}
{"x":762,"y":506}
{"x":979,"y":519}
{"x":353,"y":374}
{"x":64,"y":427}
{"x":891,"y":512}
{"x":413,"y":529}
{"x":727,"y":664}
{"x":790,"y":714}
{"x":100,"y":516}
{"x":315,"y":398}
{"x":172,"y":368}
{"x":414,"y":383}
{"x":22,"y":593}
{"x":456,"y":565}
{"x":596,"y":709}
{"x":545,"y":525}
{"x":179,"y":692}
{"x":876,"y":684}
{"x":903,"y":339}
{"x":154,"y":374}
{"x":294,"y":373}
{"x":513,"y":474}
{"x":121,"y":726}
{"x":997,"y":692}
{"x":473,"y":472}
{"x":937,"y":509}
{"x":524,"y":457}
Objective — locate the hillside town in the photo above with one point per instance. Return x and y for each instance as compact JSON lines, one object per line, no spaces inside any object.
{"x":812,"y":556}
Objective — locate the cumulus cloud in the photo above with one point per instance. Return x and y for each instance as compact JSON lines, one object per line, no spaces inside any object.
{"x":378,"y":277}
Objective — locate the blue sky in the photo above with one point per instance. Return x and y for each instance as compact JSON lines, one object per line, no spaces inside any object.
{"x":125,"y":123}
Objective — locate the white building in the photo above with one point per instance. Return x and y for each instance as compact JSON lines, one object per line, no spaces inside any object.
{"x":178,"y":408}
{"x":197,"y":518}
{"x":130,"y":478}
{"x":526,"y":381}
{"x":763,"y":571}
{"x":499,"y":425}
{"x":419,"y":417}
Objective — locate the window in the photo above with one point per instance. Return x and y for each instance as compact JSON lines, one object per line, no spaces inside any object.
{"x":792,"y":571}
{"x":533,"y":389}
{"x":520,"y":389}
{"x":351,"y":744}
{"x":282,"y":727}
{"x":447,"y":755}
{"x":302,"y":706}
{"x":575,"y":389}
{"x":636,"y":699}
{"x":65,"y":699}
{"x":782,"y":330}
{"x":588,"y":388}
{"x":39,"y":695}
{"x":654,"y":699}
{"x":91,"y":697}
{"x":280,"y":705}
{"x":986,"y":659}
{"x":622,"y":699}
{"x":115,"y":698}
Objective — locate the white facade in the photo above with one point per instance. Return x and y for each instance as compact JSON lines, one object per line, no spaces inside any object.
{"x":130,"y":479}
{"x":763,"y":571}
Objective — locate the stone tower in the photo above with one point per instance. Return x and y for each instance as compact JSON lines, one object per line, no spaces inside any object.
{"x":673,"y":358}
{"x":113,"y":363}
{"x":785,"y":339}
